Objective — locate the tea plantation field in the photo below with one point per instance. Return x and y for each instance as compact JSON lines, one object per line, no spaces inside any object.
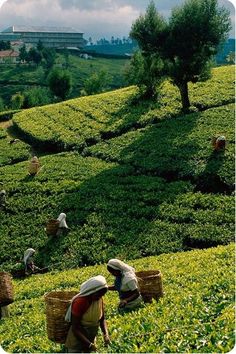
{"x":77,"y":123}
{"x":162,"y":184}
{"x":140,"y":181}
{"x":196,"y":313}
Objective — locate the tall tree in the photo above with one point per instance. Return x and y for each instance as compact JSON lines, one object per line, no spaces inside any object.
{"x":150,"y":32}
{"x":185,"y":45}
{"x":23,"y":53}
{"x":60,"y":83}
{"x":196,"y":29}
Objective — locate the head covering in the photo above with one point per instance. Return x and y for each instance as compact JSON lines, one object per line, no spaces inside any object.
{"x":28,"y":253}
{"x":120,"y":265}
{"x":127,"y":272}
{"x":3,"y":192}
{"x":89,"y":287}
{"x":34,"y":159}
{"x":93,"y":285}
{"x":62,"y":219}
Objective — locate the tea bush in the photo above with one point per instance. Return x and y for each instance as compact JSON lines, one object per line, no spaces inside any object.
{"x":12,"y":153}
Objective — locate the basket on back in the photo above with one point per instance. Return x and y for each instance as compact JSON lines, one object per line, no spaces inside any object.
{"x":57,"y":303}
{"x":52,"y":227}
{"x":6,"y":289}
{"x":219,"y":142}
{"x":150,"y":284}
{"x":34,"y":166}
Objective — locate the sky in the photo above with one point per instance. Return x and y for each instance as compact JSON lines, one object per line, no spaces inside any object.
{"x":95,"y":18}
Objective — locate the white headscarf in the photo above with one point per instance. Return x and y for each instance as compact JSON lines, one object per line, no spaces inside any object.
{"x":28,"y":253}
{"x":62,"y":219}
{"x":89,"y":287}
{"x":127,"y":271}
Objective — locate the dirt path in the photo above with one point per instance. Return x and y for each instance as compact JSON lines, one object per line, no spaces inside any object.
{"x":6,"y":124}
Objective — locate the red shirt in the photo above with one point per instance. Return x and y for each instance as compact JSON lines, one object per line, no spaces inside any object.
{"x":80,"y":306}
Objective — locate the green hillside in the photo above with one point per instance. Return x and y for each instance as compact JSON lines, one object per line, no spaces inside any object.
{"x":130,"y":171}
{"x":196,"y":313}
{"x":21,"y":78}
{"x":139,"y":181}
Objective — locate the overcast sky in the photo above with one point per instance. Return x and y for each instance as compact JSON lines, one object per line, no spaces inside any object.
{"x":95,"y":18}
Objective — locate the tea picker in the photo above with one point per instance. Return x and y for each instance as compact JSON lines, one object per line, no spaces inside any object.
{"x":219,"y":142}
{"x":55,"y":227}
{"x":30,"y":267}
{"x":34,"y":166}
{"x":3,"y":200}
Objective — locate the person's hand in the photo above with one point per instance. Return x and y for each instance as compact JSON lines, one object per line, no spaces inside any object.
{"x":92,"y":347}
{"x":122,"y":303}
{"x":106,"y":338}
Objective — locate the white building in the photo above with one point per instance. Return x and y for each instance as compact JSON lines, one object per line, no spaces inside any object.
{"x":54,"y":37}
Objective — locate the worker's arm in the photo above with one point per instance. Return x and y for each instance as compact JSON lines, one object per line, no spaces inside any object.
{"x":104,"y":329}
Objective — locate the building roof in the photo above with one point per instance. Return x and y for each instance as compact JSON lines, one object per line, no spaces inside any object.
{"x":8,"y":53}
{"x":47,"y":29}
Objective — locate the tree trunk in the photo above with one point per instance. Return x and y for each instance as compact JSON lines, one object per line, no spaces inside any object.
{"x":183,"y":88}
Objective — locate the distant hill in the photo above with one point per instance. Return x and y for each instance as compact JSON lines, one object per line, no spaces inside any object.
{"x":127,"y":49}
{"x":110,"y":49}
{"x":227,"y":48}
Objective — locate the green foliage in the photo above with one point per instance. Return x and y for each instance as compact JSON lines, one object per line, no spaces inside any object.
{"x":96,"y":83}
{"x":145,"y":73}
{"x":2,"y":106}
{"x":147,"y":30}
{"x":36,"y":96}
{"x":11,"y":153}
{"x":5,"y":45}
{"x":17,"y":101}
{"x":196,"y":313}
{"x":60,"y":83}
{"x":34,"y":56}
{"x":23,"y":53}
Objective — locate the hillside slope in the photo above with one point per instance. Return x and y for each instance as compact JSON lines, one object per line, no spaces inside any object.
{"x":138,"y":171}
{"x":196,"y":313}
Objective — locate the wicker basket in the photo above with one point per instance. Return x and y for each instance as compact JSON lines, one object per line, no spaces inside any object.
{"x":57,"y":303}
{"x":150,"y":284}
{"x":6,"y":289}
{"x":34,"y":168}
{"x":219,"y":143}
{"x":52,"y":227}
